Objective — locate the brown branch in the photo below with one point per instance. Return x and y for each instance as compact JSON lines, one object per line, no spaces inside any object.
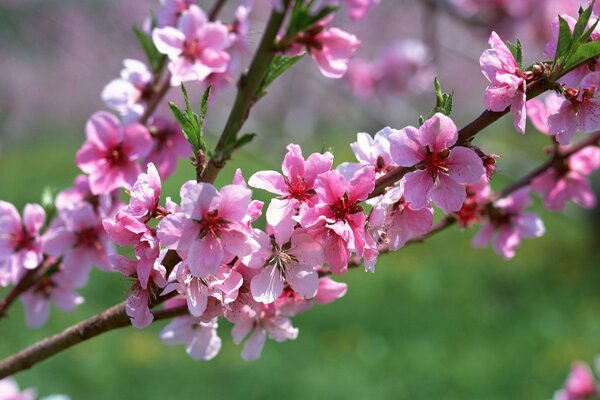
{"x":217,"y":7}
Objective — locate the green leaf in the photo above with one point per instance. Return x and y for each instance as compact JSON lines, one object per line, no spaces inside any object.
{"x":443,"y":101}
{"x":238,"y":142}
{"x":564,"y":39}
{"x":517,"y":52}
{"x":155,"y":59}
{"x":302,"y":19}
{"x":585,"y":52}
{"x":582,"y":21}
{"x":185,"y":125}
{"x":278,"y":66}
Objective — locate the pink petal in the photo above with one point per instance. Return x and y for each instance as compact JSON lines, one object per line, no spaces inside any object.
{"x":418,"y":186}
{"x":271,"y":181}
{"x":465,"y":166}
{"x":438,"y":133}
{"x":267,"y":286}
{"x":405,"y":147}
{"x":448,"y":194}
{"x":204,"y":256}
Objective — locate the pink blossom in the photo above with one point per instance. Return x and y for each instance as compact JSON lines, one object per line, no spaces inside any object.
{"x":580,"y":111}
{"x":145,"y":195}
{"x":109,"y":155}
{"x":580,"y":384}
{"x":567,"y":181}
{"x":329,"y":290}
{"x":358,"y":9}
{"x":508,"y":223}
{"x":106,"y":205}
{"x":170,"y":10}
{"x":363,"y":76}
{"x":196,"y":48}
{"x":210,"y":230}
{"x":507,"y":82}
{"x":442,"y":171}
{"x":337,"y":221}
{"x":397,"y":221}
{"x":168,"y":145}
{"x":375,"y":150}
{"x":128,"y":94}
{"x":292,"y":262}
{"x":330,"y":48}
{"x":9,"y":390}
{"x":79,"y":238}
{"x":57,"y":289}
{"x":20,"y":244}
{"x":254,"y":322}
{"x":478,"y":195}
{"x":223,"y":286}
{"x":405,"y":67}
{"x":539,"y":112}
{"x":295,"y":186}
{"x":198,"y":335}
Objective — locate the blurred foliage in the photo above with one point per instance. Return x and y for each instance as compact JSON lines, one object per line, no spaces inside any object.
{"x":437,"y":320}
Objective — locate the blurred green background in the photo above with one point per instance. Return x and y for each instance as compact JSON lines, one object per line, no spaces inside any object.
{"x":437,"y":320}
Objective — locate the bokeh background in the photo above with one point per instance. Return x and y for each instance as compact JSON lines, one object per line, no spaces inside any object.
{"x":437,"y":320}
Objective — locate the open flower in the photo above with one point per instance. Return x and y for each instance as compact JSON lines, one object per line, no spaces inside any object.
{"x":168,"y":145}
{"x":567,"y":181}
{"x":292,"y":262}
{"x":295,"y":187}
{"x":128,"y":94}
{"x":508,"y":222}
{"x":210,"y":230}
{"x":110,"y":153}
{"x":507,"y":82}
{"x":196,"y":48}
{"x":20,"y":244}
{"x":442,"y":171}
{"x":337,"y":220}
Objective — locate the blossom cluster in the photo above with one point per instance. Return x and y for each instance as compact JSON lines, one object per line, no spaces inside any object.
{"x":206,"y":254}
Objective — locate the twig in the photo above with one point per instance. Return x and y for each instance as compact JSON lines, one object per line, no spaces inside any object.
{"x":214,"y":12}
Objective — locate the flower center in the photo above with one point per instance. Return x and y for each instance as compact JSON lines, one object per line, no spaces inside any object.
{"x":343,"y":208}
{"x":212,"y":224}
{"x":88,"y":238}
{"x":192,"y":50}
{"x":298,"y":190}
{"x":116,"y":156}
{"x":436,"y":163}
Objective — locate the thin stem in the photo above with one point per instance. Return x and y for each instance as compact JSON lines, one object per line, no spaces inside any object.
{"x":214,"y":12}
{"x":161,"y":91}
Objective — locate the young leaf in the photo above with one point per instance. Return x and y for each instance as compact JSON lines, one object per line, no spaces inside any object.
{"x":443,"y":101}
{"x":582,"y":21}
{"x":185,"y":125}
{"x":564,"y":39}
{"x":278,"y":66}
{"x":155,"y":59}
{"x":586,"y":51}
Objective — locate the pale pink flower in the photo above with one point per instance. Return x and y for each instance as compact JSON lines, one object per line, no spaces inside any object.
{"x":79,"y":238}
{"x":295,"y":187}
{"x":254,"y":322}
{"x":198,"y":335}
{"x":567,"y":181}
{"x":128,"y":94}
{"x":9,"y":390}
{"x":293,"y":262}
{"x":358,"y":9}
{"x":211,"y":231}
{"x":405,"y":67}
{"x":375,"y":150}
{"x":363,"y":76}
{"x":196,"y":48}
{"x":396,"y":220}
{"x":442,"y":171}
{"x":57,"y":289}
{"x":110,"y":153}
{"x":330,"y":48}
{"x":539,"y":112}
{"x":168,"y":145}
{"x":508,"y":223}
{"x":170,"y":10}
{"x":223,"y":286}
{"x":478,"y":195}
{"x":145,"y":195}
{"x":337,"y":221}
{"x":507,"y":82}
{"x":20,"y":244}
{"x":580,"y":384}
{"x":580,"y":111}
{"x":329,"y":290}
